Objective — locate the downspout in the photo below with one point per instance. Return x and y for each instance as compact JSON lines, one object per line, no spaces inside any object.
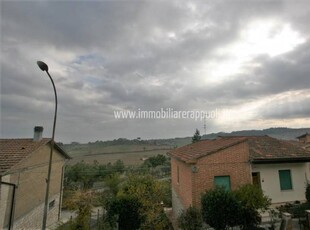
{"x":12,"y":204}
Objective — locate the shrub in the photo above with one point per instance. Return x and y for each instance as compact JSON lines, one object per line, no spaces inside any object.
{"x":190,"y":219}
{"x":308,"y":193}
{"x":253,"y":197}
{"x":125,"y":211}
{"x":220,"y":208}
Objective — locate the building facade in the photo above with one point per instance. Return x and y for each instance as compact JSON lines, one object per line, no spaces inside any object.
{"x":24,"y":165}
{"x":278,"y":167}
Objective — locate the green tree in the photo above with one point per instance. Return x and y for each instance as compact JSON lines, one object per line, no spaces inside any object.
{"x":112,"y":182}
{"x":118,"y":166}
{"x":84,"y":212}
{"x":253,"y":197}
{"x":150,"y":194}
{"x":155,"y":161}
{"x":81,"y":201}
{"x":307,"y":193}
{"x":125,"y":210}
{"x":190,"y":219}
{"x":196,"y":137}
{"x":220,"y":208}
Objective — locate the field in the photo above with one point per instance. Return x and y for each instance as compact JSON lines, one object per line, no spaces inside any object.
{"x":129,"y":154}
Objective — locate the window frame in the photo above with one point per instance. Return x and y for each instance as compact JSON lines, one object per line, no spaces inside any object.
{"x":223,"y":176}
{"x":284,"y":184}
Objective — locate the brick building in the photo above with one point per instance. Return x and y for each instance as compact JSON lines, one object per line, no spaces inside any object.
{"x":24,"y":165}
{"x":280,"y":168}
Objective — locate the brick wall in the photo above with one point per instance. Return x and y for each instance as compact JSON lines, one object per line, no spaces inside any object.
{"x":183,"y":187}
{"x":233,"y":162}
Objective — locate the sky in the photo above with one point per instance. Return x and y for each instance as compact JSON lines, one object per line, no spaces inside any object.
{"x":245,"y":61}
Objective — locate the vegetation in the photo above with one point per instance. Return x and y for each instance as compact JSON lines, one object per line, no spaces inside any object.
{"x":155,"y":161}
{"x":252,"y":197}
{"x":132,"y":196}
{"x":190,"y":219}
{"x":307,"y":193}
{"x":196,"y":137}
{"x":124,"y":210}
{"x":222,"y":209}
{"x":82,"y":175}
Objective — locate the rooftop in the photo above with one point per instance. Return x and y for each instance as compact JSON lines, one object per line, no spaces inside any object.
{"x":13,"y":151}
{"x":261,"y":149}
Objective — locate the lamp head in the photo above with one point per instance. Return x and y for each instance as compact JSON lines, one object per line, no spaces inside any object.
{"x":42,"y":66}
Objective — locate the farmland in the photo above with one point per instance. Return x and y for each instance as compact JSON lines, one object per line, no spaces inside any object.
{"x":130,"y":154}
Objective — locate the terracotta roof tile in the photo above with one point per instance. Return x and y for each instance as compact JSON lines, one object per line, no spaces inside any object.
{"x":260,"y":148}
{"x":265,"y":147}
{"x":189,"y":153}
{"x":13,"y":151}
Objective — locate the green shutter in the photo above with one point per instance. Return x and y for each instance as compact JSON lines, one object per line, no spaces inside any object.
{"x":285,"y":179}
{"x":222,"y":181}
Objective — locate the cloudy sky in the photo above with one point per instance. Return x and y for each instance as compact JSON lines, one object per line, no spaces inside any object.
{"x":247,"y":60}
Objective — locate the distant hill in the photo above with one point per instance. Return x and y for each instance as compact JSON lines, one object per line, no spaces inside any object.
{"x":280,"y":133}
{"x":132,"y":145}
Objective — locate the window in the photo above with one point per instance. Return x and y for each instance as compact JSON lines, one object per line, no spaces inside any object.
{"x":285,"y":179}
{"x":222,"y":181}
{"x":51,"y":205}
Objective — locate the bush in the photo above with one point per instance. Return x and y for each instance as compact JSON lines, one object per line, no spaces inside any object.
{"x":308,"y":193}
{"x":190,"y":219}
{"x":220,"y":208}
{"x":253,"y":197}
{"x":125,"y":211}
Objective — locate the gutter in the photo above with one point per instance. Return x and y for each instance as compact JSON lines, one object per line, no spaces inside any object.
{"x":281,"y":160}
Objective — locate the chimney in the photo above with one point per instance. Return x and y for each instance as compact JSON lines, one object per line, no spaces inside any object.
{"x":38,"y":131}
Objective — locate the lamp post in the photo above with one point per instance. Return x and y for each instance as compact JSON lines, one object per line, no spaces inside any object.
{"x":44,"y":67}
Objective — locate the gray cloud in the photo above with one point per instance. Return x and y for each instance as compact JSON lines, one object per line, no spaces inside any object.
{"x":118,"y":55}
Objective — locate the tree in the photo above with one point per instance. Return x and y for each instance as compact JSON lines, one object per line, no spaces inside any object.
{"x":190,"y":219}
{"x":113,"y":181}
{"x":150,"y":193}
{"x":253,"y":197}
{"x":196,"y":136}
{"x":155,"y":161}
{"x":125,"y":210}
{"x":81,"y":201}
{"x":84,"y":211}
{"x":220,"y":208}
{"x":307,"y":193}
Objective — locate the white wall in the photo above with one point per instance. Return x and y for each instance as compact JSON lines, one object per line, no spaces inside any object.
{"x":270,"y":182}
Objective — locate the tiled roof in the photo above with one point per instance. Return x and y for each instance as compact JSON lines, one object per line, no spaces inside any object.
{"x":261,"y":148}
{"x":189,"y":153}
{"x":266,"y":148}
{"x":301,"y":136}
{"x":13,"y":151}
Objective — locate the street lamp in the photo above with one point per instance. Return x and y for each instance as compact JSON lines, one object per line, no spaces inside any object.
{"x":44,"y":67}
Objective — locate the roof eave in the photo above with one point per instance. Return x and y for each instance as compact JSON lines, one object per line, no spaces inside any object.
{"x":281,"y":160}
{"x":61,"y":150}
